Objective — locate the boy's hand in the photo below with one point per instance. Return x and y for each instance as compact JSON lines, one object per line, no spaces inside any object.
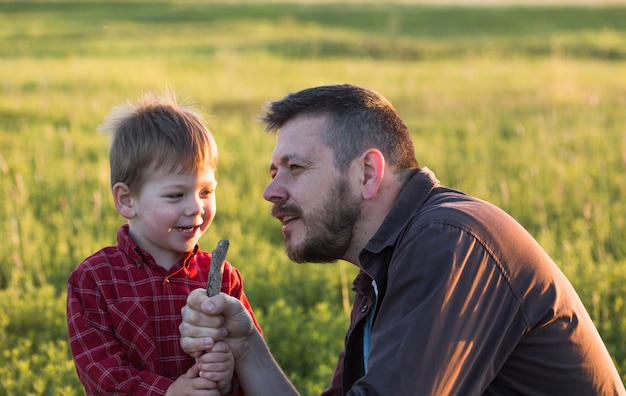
{"x":193,"y":385}
{"x":218,"y":365}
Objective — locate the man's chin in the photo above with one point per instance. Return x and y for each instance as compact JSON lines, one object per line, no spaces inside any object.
{"x":300,"y":257}
{"x":294,"y":255}
{"x":312,"y":250}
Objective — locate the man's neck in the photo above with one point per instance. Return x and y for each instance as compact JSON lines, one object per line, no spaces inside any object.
{"x":373,"y":215}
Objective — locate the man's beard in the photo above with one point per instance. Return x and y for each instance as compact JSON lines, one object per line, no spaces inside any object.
{"x":329,"y":228}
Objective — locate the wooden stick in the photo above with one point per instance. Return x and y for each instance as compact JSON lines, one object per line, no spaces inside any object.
{"x":214,"y":285}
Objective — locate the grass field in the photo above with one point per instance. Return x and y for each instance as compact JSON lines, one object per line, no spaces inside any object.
{"x":519,"y":105}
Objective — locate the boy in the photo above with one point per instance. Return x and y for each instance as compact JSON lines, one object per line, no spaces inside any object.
{"x":124,"y":302}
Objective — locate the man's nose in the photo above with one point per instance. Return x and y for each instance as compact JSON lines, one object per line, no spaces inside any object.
{"x":275,"y":190}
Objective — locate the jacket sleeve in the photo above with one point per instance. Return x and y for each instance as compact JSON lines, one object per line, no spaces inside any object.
{"x":98,"y":356}
{"x":446,"y":308}
{"x":334,"y":389}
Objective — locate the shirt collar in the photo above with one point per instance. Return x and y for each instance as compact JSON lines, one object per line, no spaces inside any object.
{"x":141,"y":257}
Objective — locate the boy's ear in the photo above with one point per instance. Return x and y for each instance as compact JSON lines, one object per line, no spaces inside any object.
{"x":123,"y":200}
{"x":373,"y":168}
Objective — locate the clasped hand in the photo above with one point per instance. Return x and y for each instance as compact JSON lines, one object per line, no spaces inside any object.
{"x":209,"y":320}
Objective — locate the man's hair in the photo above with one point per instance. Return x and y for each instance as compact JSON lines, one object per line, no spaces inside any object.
{"x":357,"y":119}
{"x":157,"y":133}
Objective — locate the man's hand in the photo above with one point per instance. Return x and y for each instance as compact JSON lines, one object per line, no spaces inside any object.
{"x":208,"y":320}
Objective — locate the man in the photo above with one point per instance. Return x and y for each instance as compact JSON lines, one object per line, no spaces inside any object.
{"x":453,"y":295}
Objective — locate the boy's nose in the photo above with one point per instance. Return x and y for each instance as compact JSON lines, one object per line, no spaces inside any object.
{"x":194,"y":206}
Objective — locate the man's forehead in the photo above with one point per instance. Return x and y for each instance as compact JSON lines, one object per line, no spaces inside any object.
{"x":292,"y":152}
{"x":304,"y":126}
{"x":299,"y":136}
{"x":300,"y":151}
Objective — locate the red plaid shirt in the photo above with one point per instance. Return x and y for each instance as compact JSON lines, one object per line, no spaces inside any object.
{"x":123,"y":313}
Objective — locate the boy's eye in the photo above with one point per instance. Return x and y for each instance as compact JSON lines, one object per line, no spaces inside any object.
{"x":207,"y":193}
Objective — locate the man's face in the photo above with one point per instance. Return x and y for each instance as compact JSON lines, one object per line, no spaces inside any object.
{"x":312,"y":199}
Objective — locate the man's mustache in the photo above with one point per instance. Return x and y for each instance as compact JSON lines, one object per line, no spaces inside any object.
{"x":285,"y":209}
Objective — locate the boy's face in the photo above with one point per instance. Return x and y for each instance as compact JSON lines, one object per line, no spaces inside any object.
{"x":172,"y":211}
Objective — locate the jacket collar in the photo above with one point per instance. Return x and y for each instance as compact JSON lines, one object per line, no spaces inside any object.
{"x":411,"y":198}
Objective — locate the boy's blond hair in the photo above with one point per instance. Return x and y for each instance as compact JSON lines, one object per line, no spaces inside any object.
{"x":157,"y":133}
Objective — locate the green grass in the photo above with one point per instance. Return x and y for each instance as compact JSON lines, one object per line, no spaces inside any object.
{"x":522,"y":106}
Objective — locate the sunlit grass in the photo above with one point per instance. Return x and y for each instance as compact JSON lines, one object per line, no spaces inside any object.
{"x":519,"y":106}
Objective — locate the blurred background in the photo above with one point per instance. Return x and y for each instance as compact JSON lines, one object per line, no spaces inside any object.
{"x":519,"y":104}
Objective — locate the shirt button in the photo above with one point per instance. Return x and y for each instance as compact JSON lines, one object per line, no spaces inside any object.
{"x":364,"y":308}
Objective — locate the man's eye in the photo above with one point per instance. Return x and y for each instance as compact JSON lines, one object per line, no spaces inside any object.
{"x":175,"y":196}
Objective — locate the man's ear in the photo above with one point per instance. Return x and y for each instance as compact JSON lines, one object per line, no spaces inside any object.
{"x":373,"y":167}
{"x":123,"y":200}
